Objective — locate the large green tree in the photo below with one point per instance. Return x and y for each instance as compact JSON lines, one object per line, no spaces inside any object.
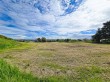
{"x":103,"y":34}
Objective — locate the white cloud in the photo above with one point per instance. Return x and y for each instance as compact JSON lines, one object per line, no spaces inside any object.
{"x":90,"y":15}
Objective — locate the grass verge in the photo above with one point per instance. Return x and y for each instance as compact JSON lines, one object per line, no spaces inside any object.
{"x":7,"y":45}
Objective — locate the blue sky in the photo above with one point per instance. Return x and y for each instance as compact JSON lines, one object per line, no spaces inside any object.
{"x":30,"y":19}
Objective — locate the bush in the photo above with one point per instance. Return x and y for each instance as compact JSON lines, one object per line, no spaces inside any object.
{"x":44,"y":39}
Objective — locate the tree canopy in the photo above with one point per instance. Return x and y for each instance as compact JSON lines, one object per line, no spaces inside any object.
{"x":103,"y":34}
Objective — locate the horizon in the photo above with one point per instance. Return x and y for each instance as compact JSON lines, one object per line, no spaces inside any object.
{"x":53,"y":19}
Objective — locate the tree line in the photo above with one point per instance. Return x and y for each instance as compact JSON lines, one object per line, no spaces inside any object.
{"x":43,"y":39}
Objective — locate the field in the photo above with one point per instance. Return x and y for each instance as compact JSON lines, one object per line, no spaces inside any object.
{"x":61,"y":62}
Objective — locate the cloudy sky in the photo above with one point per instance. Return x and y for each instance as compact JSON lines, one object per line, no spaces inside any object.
{"x":29,"y":19}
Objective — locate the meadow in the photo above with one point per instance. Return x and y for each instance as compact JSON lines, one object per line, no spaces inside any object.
{"x":54,"y":62}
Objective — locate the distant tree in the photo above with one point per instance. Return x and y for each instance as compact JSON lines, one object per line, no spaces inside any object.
{"x":61,"y":40}
{"x":67,"y":40}
{"x":79,"y":40}
{"x":57,"y":40}
{"x":39,"y":40}
{"x":43,"y":39}
{"x":73,"y":40}
{"x":103,"y":34}
{"x":87,"y":40}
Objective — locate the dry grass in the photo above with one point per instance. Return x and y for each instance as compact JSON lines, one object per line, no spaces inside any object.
{"x":64,"y":59}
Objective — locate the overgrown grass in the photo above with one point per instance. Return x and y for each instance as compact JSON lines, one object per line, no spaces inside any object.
{"x":9,"y":44}
{"x":12,"y":74}
{"x":6,"y":44}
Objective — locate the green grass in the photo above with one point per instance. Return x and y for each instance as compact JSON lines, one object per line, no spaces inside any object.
{"x":91,"y":74}
{"x":9,"y":44}
{"x":6,"y":44}
{"x":12,"y":74}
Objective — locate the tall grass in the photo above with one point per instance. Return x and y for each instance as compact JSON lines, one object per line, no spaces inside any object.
{"x":12,"y":74}
{"x":9,"y":44}
{"x":5,"y":43}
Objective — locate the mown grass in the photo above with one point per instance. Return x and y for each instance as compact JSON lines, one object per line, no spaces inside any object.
{"x":55,"y":66}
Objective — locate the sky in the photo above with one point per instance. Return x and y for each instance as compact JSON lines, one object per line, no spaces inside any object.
{"x":30,"y":19}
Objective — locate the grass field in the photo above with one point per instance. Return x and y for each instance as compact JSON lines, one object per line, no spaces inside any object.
{"x":58,"y":62}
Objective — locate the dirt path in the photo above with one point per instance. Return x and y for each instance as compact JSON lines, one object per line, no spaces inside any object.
{"x":47,"y":59}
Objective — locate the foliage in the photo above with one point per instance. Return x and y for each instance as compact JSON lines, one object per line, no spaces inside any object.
{"x":67,"y":40}
{"x":87,"y":40}
{"x":38,"y":40}
{"x":103,"y":34}
{"x":43,"y":39}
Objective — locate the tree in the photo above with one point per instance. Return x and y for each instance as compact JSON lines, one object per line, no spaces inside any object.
{"x":44,"y":39}
{"x":57,"y":40}
{"x":39,"y":40}
{"x":103,"y":34}
{"x":97,"y":37}
{"x":67,"y":40}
